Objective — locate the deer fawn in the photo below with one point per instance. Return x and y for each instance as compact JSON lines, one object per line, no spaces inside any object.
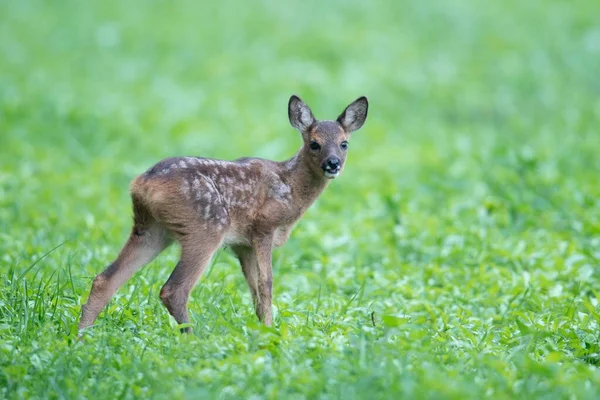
{"x":249,"y":204}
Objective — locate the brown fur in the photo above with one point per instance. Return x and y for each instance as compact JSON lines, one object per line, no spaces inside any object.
{"x":250,"y":204}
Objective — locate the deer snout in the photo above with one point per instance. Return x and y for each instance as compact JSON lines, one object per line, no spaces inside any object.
{"x":332,"y":164}
{"x":332,"y":167}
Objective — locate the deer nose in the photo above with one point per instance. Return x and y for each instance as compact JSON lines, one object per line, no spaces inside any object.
{"x":333,"y":164}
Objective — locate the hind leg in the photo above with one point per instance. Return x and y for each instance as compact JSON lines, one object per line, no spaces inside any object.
{"x":196,"y":251}
{"x":143,"y":245}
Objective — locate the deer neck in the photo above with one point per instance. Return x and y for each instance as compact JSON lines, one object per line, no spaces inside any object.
{"x":306,"y":184}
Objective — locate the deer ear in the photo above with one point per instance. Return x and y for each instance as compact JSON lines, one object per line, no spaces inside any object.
{"x":354,"y":115}
{"x":300,"y":115}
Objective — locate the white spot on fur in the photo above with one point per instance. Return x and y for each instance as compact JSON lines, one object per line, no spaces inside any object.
{"x":168,"y":169}
{"x":191,"y":160}
{"x":280,"y":192}
{"x":208,"y":186}
{"x":182,"y":164}
{"x":185,"y":188}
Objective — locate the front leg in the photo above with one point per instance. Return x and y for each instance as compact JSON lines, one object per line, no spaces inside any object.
{"x":249,"y":264}
{"x":263,"y":248}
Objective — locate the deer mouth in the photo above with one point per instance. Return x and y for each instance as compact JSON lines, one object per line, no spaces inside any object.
{"x":332,"y":174}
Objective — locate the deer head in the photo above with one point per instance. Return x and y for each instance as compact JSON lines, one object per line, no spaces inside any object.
{"x":326,"y":142}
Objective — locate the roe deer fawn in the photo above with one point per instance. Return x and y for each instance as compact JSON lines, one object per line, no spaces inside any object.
{"x":249,"y":204}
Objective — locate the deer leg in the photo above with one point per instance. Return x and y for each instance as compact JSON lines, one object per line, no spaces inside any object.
{"x":264,"y":248}
{"x":249,"y":266}
{"x":196,"y":253}
{"x":143,"y":245}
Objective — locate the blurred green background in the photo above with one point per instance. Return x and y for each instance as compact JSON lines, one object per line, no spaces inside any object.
{"x":457,"y":257}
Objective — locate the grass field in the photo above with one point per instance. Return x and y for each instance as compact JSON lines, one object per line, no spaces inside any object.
{"x":457,"y":257}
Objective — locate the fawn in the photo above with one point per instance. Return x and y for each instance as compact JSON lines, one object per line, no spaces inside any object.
{"x":250,"y":204}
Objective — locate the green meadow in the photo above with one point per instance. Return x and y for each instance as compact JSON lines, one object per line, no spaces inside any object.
{"x":457,"y":257}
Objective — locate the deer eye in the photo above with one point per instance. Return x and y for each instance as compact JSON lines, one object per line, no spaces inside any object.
{"x":314,"y":145}
{"x":344,"y":145}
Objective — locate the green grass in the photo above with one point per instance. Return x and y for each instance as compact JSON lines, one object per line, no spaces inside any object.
{"x":457,"y":257}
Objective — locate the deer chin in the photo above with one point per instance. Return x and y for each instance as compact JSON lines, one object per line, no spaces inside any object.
{"x":330,"y":175}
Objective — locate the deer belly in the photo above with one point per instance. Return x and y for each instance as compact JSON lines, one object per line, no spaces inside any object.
{"x":236,"y":237}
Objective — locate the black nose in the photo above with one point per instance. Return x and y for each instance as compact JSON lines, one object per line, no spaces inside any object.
{"x":333,"y":164}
